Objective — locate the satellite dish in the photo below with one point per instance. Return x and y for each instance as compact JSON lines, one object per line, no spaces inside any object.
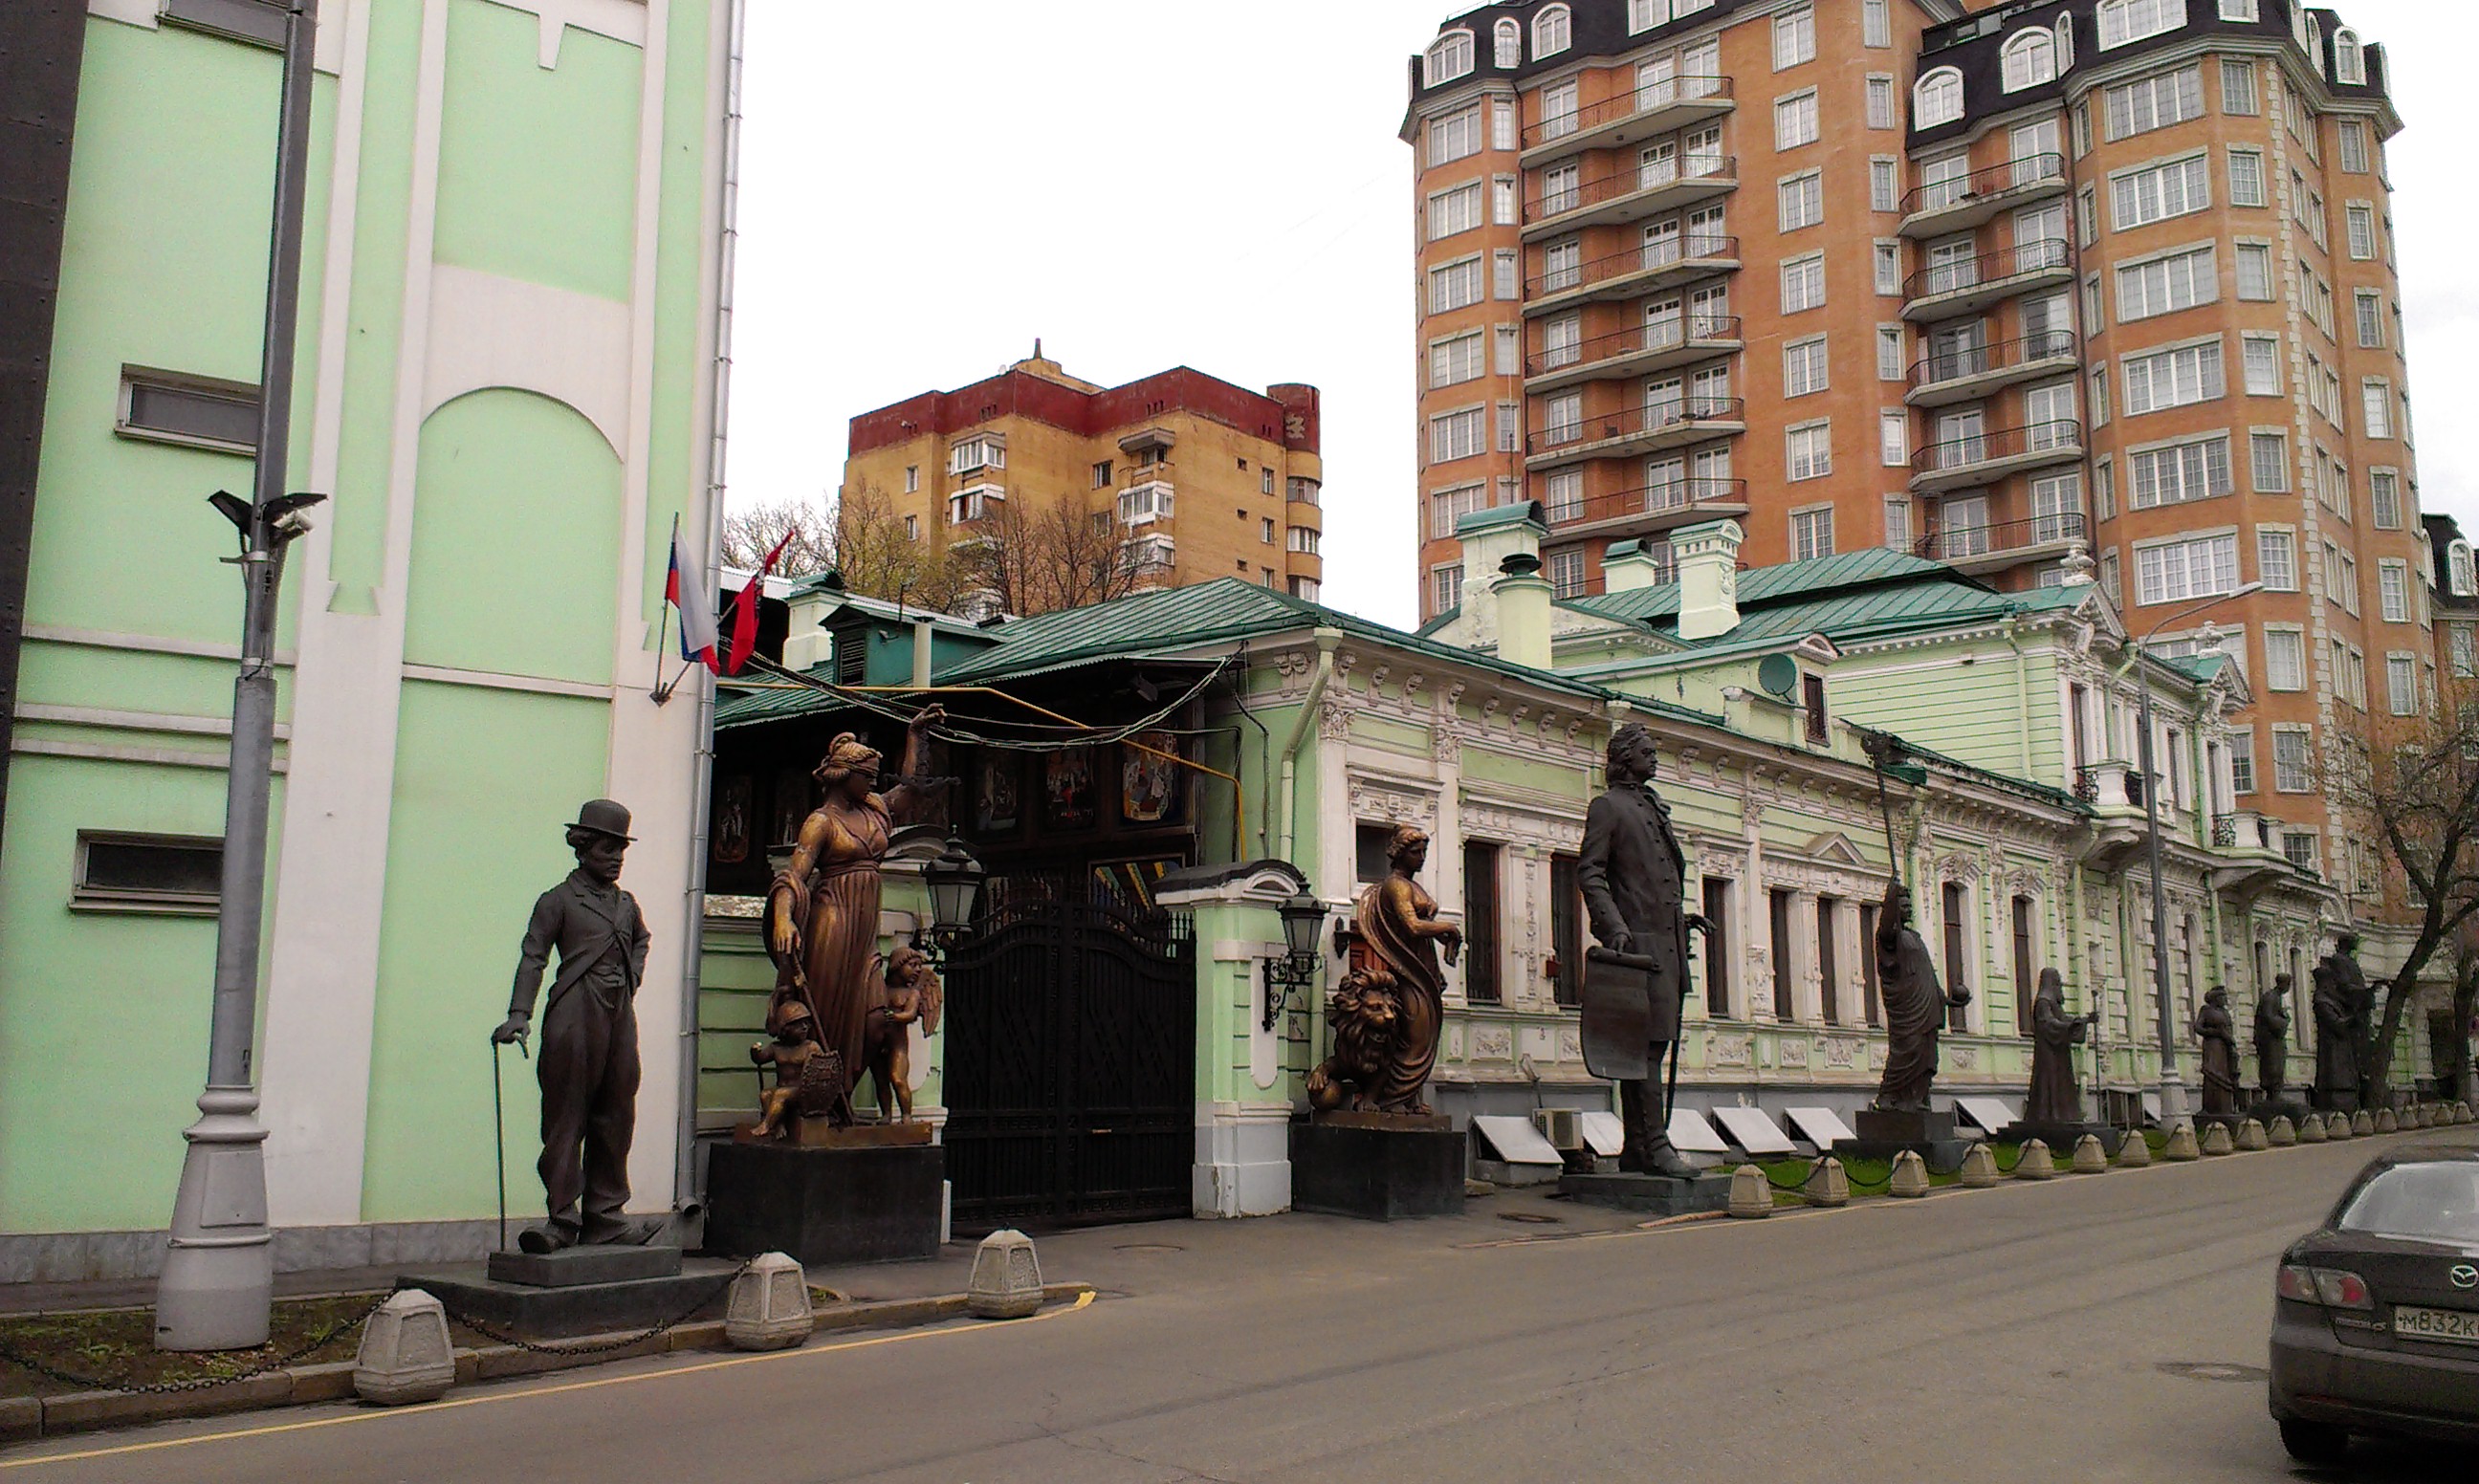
{"x":1778,"y":675}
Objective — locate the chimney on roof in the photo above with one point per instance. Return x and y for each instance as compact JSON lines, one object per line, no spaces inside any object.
{"x":1626,"y":567}
{"x":1708,"y":579}
{"x":1505,"y":601}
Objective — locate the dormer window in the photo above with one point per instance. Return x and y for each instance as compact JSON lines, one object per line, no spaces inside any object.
{"x":2030,"y":60}
{"x":2457,"y":570}
{"x":1451,"y":57}
{"x":1510,"y":43}
{"x":2349,"y":59}
{"x":1936,"y":98}
{"x":1553,"y":31}
{"x":2066,"y":41}
{"x":2122,"y":22}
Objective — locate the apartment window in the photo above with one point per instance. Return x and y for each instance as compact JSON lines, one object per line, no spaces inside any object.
{"x":976,"y":454}
{"x":1558,"y":111}
{"x":1794,"y":38}
{"x":2354,"y":147}
{"x":1457,"y":435}
{"x":1890,"y":352}
{"x":1301,"y":539}
{"x":1936,"y":98}
{"x":1563,"y":419}
{"x":2122,"y":22}
{"x":2291,"y":771}
{"x":1885,"y":184}
{"x":2276,"y":559}
{"x":1802,"y":282}
{"x":1876,"y":23}
{"x":2031,"y":59}
{"x":1265,"y":530}
{"x":1445,"y":588}
{"x":1812,"y":533}
{"x":2239,"y":93}
{"x":2376,"y":405}
{"x":2341,"y":578}
{"x":2462,"y":642}
{"x":1552,"y":31}
{"x":2165,"y":285}
{"x":1717,"y":947}
{"x":2370,"y":316}
{"x":967,"y":505}
{"x":1454,"y":210}
{"x":1810,"y":451}
{"x":2238,"y":9}
{"x":1508,"y":360}
{"x":2392,"y":590}
{"x":2091,"y":300}
{"x":2181,"y":570}
{"x":1894,"y":438}
{"x":1502,"y":209}
{"x":1566,"y":571}
{"x":2100,"y":402}
{"x":2155,"y":102}
{"x":2255,"y":272}
{"x":169,"y":874}
{"x":1456,"y":359}
{"x":2105,"y":489}
{"x":1510,"y":427}
{"x":912,"y":527}
{"x":1562,"y":189}
{"x":2384,"y":499}
{"x":1954,"y":903}
{"x":2246,"y":177}
{"x":1451,"y":57}
{"x":1564,"y":495}
{"x":2173,"y":378}
{"x":1507,"y":275}
{"x":1502,"y":121}
{"x":1803,"y":366}
{"x":199,"y":411}
{"x":2349,"y":60}
{"x":1794,"y":120}
{"x":2401,"y":684}
{"x":1889,"y":268}
{"x":2361,"y":229}
{"x":1801,"y":200}
{"x":1454,"y":286}
{"x":2109,"y":579}
{"x":1881,"y":101}
{"x":1507,"y":49}
{"x":1457,"y":135}
{"x":2284,"y":659}
{"x":2262,"y":356}
{"x":912,"y":479}
{"x":1897,"y":522}
{"x":2178,"y":472}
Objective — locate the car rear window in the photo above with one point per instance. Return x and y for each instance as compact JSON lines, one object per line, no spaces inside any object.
{"x":2436,"y":1202}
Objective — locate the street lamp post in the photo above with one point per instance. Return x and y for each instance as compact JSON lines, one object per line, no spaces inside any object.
{"x":220,"y":1271}
{"x":2173,"y":1090}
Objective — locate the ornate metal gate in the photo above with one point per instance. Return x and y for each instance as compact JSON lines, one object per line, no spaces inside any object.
{"x":1070,"y":1067}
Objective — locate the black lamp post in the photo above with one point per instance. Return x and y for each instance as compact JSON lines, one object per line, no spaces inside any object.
{"x":955,"y":881}
{"x":1302,"y":916}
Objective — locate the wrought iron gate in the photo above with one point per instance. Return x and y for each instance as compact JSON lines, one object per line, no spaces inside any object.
{"x":1070,"y":1065}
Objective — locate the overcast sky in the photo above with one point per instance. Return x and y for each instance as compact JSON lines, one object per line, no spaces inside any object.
{"x":1144,"y":185}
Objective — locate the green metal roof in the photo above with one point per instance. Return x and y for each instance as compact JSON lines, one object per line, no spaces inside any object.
{"x":1524,"y":512}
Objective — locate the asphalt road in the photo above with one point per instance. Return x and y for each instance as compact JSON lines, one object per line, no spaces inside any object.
{"x":2094,"y":1328}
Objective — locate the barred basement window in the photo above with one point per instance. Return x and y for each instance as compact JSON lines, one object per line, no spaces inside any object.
{"x":176,"y":875}
{"x":200,"y":412}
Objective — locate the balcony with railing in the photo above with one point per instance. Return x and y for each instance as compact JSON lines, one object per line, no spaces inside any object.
{"x":1987,"y":547}
{"x":1146,"y":495}
{"x":1632,"y":275}
{"x":1647,"y":429}
{"x":1632,"y":117}
{"x":1977,"y":458}
{"x":1966,"y":373}
{"x":1650,"y":509}
{"x":1656,"y":344}
{"x":1966,"y":201}
{"x":1630,"y":195}
{"x":1941,"y":290}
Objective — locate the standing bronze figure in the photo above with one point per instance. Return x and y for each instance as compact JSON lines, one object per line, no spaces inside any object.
{"x":2339,"y":1042}
{"x":1915,"y":1006}
{"x":2272,"y":1039}
{"x":2056,"y":1097}
{"x":822,"y":910}
{"x":589,"y":1066}
{"x":2218,"y":1035}
{"x":1633,"y":873}
{"x":2352,"y":984}
{"x":1386,"y":1014}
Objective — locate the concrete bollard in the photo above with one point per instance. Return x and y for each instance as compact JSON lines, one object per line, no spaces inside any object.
{"x":1752,"y":1195}
{"x":2182,"y":1145}
{"x":2252,"y":1136}
{"x":2388,"y":1123}
{"x":2336,"y":1125}
{"x":1910,"y":1176}
{"x":769,"y":1307}
{"x":2090,"y":1157}
{"x":2134,"y":1153}
{"x":405,"y":1355}
{"x":2217,"y":1139}
{"x":2461,"y":1113}
{"x":2362,"y":1124}
{"x":2035,"y":1161}
{"x":1979,"y":1166}
{"x":2422,"y":1117}
{"x":1006,"y":1277}
{"x":2282,"y":1134}
{"x":1827,"y":1184}
{"x":2312,"y":1131}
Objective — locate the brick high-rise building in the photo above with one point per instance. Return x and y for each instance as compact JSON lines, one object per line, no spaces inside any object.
{"x":1197,"y":477}
{"x":2012,"y":286}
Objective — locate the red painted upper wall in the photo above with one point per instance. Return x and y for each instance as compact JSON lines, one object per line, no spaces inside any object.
{"x":1092,"y":414}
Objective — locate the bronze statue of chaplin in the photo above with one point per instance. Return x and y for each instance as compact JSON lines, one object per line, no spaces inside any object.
{"x":2340,"y":1028}
{"x":2056,"y":1097}
{"x":1387,"y":1012}
{"x":2272,"y":1039}
{"x":1915,"y":1006}
{"x":1633,"y":873}
{"x":2216,"y":1033}
{"x":588,"y":1066}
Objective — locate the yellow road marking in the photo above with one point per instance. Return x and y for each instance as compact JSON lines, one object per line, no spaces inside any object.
{"x":429,"y":1409}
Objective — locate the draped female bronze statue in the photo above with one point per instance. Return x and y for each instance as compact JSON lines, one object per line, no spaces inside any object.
{"x":2272,"y":1037}
{"x":2218,"y":1035}
{"x":2056,"y":1097}
{"x":1386,"y":1013}
{"x":2338,"y":1040}
{"x":822,"y":910}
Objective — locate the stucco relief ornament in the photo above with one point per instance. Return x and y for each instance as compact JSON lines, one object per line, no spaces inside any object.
{"x":1291,"y":664}
{"x":1446,"y":744}
{"x":1333,"y":723}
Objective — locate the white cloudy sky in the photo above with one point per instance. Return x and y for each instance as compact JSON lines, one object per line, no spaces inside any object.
{"x":926,"y":189}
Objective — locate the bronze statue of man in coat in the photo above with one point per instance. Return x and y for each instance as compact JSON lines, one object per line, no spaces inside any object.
{"x":1633,"y":873}
{"x":589,"y":1066}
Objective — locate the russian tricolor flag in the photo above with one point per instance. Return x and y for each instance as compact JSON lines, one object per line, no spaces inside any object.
{"x":697,"y":611}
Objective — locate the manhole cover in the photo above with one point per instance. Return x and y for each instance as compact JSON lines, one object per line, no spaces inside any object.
{"x":1148,"y":1248}
{"x":1532,"y":1217}
{"x":2212,"y":1370}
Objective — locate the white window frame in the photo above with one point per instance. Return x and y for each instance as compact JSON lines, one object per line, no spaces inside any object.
{"x":2029,"y":58}
{"x":2259,"y":352}
{"x":1449,"y":132}
{"x":1807,"y":450}
{"x":2124,"y":22}
{"x":1803,"y":273}
{"x":2158,"y":191}
{"x":2276,"y":558}
{"x":1799,"y":201}
{"x":1553,"y":31}
{"x":1449,"y":56}
{"x":2214,"y":552}
{"x":1794,"y":38}
{"x":1806,"y":367}
{"x":1796,"y":122}
{"x":1936,"y":98}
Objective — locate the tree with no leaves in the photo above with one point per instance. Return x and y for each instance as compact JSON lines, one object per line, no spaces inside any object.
{"x":861,"y":537}
{"x":1050,"y":556}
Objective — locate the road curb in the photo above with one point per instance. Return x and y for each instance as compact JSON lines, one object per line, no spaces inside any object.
{"x":25,"y":1419}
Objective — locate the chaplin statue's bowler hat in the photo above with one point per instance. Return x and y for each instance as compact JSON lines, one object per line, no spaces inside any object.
{"x":605,"y":817}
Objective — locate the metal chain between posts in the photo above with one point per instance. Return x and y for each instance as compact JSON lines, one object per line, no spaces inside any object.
{"x":1857,"y":1183}
{"x":318,"y":1342}
{"x":490,"y":1331}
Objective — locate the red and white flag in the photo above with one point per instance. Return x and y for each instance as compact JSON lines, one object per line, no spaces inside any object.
{"x":744,"y":613}
{"x":684,"y":592}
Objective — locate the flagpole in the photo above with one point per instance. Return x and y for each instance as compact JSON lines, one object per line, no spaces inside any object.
{"x":662,"y":632}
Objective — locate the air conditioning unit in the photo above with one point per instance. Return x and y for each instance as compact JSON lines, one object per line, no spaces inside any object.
{"x":1563,"y":1127}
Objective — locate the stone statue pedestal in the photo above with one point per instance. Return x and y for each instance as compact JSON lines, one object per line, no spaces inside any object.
{"x":577,"y":1290}
{"x":2264,"y":1109}
{"x":2063,"y":1137}
{"x":878,"y":1198}
{"x":1653,"y":1195}
{"x":1378,"y":1166}
{"x":1927,"y":1133}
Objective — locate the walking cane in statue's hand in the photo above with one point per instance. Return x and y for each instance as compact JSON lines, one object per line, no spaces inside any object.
{"x":499,"y":1126}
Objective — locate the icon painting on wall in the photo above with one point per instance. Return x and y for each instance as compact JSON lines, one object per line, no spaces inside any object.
{"x":1068,"y":789}
{"x":1149,"y":784}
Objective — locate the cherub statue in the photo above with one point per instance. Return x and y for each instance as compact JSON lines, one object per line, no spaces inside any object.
{"x":912,"y":996}
{"x":809,"y":1077}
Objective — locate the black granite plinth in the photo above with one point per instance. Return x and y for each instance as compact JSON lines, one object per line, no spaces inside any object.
{"x":2061,"y":1138}
{"x":2265,"y":1110}
{"x":574,"y":1267}
{"x":826,"y":1207}
{"x":1378,"y":1174}
{"x":536,"y":1311}
{"x":2227,"y":1120}
{"x":1654,"y":1194}
{"x":1927,"y":1133}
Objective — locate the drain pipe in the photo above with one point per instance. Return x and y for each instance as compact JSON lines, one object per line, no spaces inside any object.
{"x":2022,"y":692}
{"x":1328,"y":640}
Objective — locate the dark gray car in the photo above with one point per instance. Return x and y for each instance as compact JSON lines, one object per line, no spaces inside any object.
{"x":2376,"y":1326}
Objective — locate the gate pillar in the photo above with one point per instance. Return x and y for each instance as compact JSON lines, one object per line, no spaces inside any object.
{"x":1247,"y":1077}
